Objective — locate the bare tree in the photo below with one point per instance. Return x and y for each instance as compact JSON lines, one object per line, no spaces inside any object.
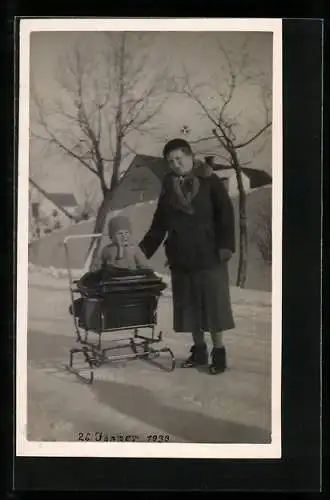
{"x":216,"y":100}
{"x":106,"y":98}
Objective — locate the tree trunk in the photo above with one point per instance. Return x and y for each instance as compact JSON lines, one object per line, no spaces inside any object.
{"x":104,"y":208}
{"x":243,"y":242}
{"x":100,"y":170}
{"x":101,"y":216}
{"x":116,"y":165}
{"x":243,"y":236}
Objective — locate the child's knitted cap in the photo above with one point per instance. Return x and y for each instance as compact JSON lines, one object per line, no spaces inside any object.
{"x":117,"y":223}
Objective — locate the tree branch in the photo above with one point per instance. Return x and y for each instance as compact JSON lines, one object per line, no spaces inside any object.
{"x":53,"y":140}
{"x":232,"y":85}
{"x":202,"y":139}
{"x":254,"y":137}
{"x":220,"y":139}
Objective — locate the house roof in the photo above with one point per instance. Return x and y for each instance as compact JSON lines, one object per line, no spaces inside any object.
{"x":63,"y":199}
{"x":257,"y":177}
{"x":156,"y":164}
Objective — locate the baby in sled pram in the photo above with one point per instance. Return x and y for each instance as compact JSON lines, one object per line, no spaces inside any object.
{"x":121,"y":252}
{"x":120,"y":257}
{"x":122,"y":294}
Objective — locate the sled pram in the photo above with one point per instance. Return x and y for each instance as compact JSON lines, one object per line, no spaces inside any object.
{"x":109,"y":302}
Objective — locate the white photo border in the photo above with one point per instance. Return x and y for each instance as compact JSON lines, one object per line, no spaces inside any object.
{"x":146,"y":450}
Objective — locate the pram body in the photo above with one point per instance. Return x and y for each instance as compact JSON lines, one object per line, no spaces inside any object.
{"x":112,"y":301}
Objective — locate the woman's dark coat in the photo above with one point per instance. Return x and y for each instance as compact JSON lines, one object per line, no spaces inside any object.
{"x":200,"y":285}
{"x":193,"y":241}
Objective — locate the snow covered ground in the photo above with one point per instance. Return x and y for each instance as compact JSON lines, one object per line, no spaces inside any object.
{"x":137,"y":398}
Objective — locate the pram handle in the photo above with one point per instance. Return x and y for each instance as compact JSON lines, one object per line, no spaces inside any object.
{"x":75,"y":237}
{"x":71,"y":281}
{"x":80,"y":236}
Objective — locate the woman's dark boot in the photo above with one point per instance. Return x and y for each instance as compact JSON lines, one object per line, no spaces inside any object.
{"x":198,"y":356}
{"x":219,"y":361}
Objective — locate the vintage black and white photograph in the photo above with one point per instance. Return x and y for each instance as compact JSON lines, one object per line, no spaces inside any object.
{"x":149,"y":238}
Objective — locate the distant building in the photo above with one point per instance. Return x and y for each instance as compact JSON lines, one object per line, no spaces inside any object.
{"x":251,"y":177}
{"x":141,"y":181}
{"x":258,"y":178}
{"x":228,"y":176}
{"x":56,"y":201}
{"x":46,"y":212}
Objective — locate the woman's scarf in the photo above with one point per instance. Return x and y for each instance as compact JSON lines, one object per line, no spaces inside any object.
{"x":183,"y":189}
{"x":183,"y":192}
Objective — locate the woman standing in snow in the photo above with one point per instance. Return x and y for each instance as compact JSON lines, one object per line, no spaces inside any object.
{"x":195,"y":214}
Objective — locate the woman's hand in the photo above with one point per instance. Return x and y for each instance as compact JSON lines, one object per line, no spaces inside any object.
{"x":225,"y":255}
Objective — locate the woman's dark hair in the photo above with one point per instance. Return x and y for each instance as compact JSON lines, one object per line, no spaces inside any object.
{"x":177,"y":144}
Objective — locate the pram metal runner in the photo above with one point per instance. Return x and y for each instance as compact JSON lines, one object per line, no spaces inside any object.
{"x":105,"y":302}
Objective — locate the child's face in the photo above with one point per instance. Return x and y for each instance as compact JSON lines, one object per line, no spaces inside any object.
{"x":122,"y":237}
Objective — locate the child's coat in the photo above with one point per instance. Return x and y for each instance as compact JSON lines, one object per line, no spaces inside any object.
{"x":129,"y":257}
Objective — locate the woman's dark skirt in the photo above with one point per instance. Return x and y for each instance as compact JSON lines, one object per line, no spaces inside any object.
{"x":201,"y":301}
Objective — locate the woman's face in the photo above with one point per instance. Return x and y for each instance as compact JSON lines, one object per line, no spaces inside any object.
{"x":180,"y":162}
